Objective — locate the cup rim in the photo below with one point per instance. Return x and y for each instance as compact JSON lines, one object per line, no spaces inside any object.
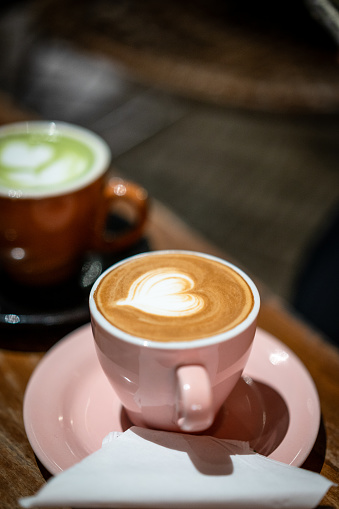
{"x":99,"y":145}
{"x":176,"y":345}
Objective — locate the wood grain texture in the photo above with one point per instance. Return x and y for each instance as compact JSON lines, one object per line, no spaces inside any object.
{"x":19,"y":475}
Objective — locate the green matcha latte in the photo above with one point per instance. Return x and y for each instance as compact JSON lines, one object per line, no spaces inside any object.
{"x":43,"y":158}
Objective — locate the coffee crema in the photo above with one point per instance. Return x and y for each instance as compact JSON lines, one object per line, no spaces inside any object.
{"x":39,"y":160}
{"x":174,"y":297}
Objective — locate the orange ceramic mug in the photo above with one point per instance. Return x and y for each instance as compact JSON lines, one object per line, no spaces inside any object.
{"x":55,"y":199}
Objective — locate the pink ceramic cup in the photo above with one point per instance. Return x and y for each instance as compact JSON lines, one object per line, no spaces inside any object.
{"x":175,"y":386}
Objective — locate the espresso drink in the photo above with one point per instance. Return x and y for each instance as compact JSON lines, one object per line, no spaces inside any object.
{"x":40,"y":161}
{"x":174,"y":297}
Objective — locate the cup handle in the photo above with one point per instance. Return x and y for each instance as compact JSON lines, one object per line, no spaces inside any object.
{"x":118,"y":190}
{"x":194,"y":407}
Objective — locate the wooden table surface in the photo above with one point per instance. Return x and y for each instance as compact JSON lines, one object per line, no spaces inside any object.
{"x":20,"y":474}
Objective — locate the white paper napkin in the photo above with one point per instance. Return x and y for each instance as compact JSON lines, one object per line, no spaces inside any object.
{"x":147,"y":468}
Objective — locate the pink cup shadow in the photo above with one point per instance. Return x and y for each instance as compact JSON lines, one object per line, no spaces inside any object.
{"x":254,"y":412}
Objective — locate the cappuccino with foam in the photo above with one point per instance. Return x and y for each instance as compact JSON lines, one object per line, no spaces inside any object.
{"x":175,"y":296}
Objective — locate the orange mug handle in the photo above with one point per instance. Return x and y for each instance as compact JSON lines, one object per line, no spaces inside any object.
{"x":118,"y":190}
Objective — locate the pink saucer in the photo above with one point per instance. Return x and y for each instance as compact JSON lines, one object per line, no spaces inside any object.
{"x":275,"y":406}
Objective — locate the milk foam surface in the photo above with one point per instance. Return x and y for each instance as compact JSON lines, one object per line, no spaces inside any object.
{"x":38,"y":162}
{"x":174,"y":297}
{"x":164,"y":292}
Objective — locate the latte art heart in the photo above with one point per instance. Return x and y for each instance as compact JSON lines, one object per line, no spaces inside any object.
{"x":173,"y":297}
{"x":163,"y":292}
{"x":19,"y":155}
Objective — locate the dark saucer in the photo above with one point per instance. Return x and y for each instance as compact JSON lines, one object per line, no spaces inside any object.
{"x":35,"y":318}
